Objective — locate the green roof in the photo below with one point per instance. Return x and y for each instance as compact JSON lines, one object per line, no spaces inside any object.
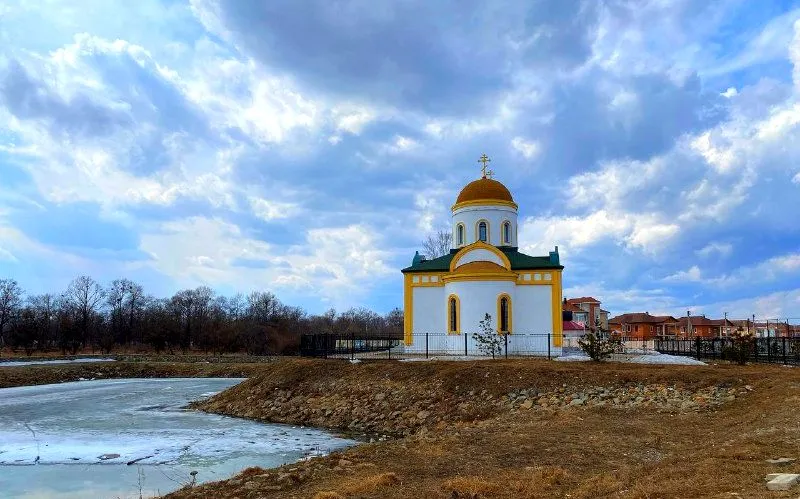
{"x":519,"y":261}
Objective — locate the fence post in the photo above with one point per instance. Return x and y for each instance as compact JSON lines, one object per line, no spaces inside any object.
{"x":548,"y":345}
{"x":390,"y":349}
{"x":769,"y":346}
{"x":784,"y":350}
{"x":505,"y":336}
{"x":352,"y":346}
{"x":465,"y":343}
{"x":426,"y":345}
{"x":325,"y":344}
{"x":697,"y":348}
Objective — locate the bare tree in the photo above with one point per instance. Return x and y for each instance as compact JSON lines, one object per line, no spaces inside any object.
{"x":84,"y":295}
{"x":10,"y":303}
{"x":437,"y":244}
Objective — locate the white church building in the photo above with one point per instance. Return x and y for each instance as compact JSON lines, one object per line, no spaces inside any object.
{"x":445,"y":298}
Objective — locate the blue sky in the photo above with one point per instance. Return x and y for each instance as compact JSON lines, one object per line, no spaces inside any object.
{"x":307,"y":148}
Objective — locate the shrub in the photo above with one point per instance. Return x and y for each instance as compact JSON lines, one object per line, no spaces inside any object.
{"x":489,"y":341}
{"x":740,"y":347}
{"x":597,"y":347}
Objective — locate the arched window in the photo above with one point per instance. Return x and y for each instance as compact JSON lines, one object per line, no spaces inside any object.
{"x":460,"y":235}
{"x":453,"y":315}
{"x":504,"y":314}
{"x":483,"y":231}
{"x":506,"y":232}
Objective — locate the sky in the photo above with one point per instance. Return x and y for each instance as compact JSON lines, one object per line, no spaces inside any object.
{"x":308,"y":147}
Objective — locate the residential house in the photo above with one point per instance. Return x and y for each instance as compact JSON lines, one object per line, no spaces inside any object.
{"x":643,"y":326}
{"x":700,"y":326}
{"x":589,"y":308}
{"x":578,"y":314}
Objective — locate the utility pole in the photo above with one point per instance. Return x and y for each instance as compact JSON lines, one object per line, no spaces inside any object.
{"x":689,"y":324}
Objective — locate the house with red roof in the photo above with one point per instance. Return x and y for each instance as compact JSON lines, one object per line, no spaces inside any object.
{"x":643,"y":326}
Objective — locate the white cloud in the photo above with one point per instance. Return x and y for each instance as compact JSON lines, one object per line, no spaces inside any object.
{"x":721,"y":249}
{"x":401,"y":144}
{"x":730,"y":92}
{"x":269,"y":210}
{"x":339,"y":264}
{"x":528,"y":149}
{"x":691,"y":275}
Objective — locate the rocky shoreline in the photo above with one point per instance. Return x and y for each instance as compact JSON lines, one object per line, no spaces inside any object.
{"x":379,"y":405}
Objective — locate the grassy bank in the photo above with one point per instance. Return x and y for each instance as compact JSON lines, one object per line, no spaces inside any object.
{"x":60,"y":373}
{"x":523,"y":428}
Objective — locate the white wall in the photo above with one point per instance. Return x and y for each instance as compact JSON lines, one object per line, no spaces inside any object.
{"x":429,"y":310}
{"x":480,"y":255}
{"x":531,"y":315}
{"x":477,"y":299}
{"x":495,"y":215}
{"x":533,"y":309}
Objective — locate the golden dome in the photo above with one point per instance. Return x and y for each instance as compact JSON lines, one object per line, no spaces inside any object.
{"x":484,"y":189}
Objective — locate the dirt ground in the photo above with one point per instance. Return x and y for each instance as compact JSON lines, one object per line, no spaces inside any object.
{"x":576,"y":452}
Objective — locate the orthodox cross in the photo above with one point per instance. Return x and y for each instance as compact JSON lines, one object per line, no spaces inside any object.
{"x":485,"y":160}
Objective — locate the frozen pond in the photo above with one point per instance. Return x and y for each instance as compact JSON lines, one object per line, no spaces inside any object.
{"x":16,"y":363}
{"x":73,"y":440}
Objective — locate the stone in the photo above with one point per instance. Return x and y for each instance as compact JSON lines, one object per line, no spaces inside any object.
{"x":527,"y":404}
{"x":770,"y":476}
{"x":783,"y":481}
{"x":576,"y":402}
{"x":782,"y":460}
{"x":423,"y":414}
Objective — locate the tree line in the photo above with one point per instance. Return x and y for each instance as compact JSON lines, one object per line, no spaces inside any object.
{"x":90,"y":316}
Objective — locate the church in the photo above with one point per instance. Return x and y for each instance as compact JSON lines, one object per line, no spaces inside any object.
{"x":484,"y":272}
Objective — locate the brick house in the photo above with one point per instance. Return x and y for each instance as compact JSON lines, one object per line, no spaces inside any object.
{"x":643,"y":326}
{"x":587,"y":310}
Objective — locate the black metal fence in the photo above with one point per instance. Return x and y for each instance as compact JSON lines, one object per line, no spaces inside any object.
{"x":427,"y":345}
{"x":766,"y":350}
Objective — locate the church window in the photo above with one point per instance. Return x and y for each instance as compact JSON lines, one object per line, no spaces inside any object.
{"x":482,"y":231}
{"x":507,"y":232}
{"x":460,"y":234}
{"x":453,"y":319}
{"x":504,"y":313}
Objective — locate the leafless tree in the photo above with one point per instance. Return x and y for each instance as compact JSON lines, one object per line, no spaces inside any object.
{"x":85,"y":296}
{"x":437,"y":244}
{"x":10,"y":303}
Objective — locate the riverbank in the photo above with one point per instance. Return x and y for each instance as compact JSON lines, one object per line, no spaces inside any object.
{"x":521,"y":428}
{"x":42,"y":374}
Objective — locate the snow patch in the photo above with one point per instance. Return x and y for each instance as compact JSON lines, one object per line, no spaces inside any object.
{"x":665,"y":359}
{"x":17,"y":363}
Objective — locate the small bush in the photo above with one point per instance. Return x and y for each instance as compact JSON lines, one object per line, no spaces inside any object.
{"x":489,"y":341}
{"x":741,"y":345}
{"x":597,"y":347}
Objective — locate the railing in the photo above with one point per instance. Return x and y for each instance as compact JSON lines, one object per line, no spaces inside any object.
{"x":779,"y":350}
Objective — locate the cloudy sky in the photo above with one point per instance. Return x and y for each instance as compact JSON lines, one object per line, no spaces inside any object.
{"x":307,"y":148}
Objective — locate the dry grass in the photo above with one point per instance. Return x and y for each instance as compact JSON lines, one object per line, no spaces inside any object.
{"x":59,"y":373}
{"x":576,"y":453}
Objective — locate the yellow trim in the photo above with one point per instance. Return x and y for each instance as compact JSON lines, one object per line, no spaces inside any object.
{"x":484,"y":202}
{"x":408,"y":311}
{"x":503,"y":232}
{"x":458,"y":314}
{"x":479,"y":245}
{"x":556,"y":298}
{"x":488,"y":231}
{"x":500,"y":316}
{"x":428,"y":284}
{"x":463,"y":234}
{"x":481,"y":276}
{"x":532,"y":282}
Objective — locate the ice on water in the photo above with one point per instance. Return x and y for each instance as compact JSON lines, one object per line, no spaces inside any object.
{"x":78,"y":431}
